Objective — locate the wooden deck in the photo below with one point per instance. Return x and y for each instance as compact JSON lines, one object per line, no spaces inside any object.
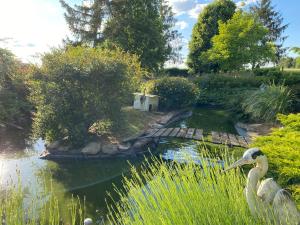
{"x":197,"y":134}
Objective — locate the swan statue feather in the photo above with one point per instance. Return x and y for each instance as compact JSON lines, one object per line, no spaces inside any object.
{"x":266,"y":195}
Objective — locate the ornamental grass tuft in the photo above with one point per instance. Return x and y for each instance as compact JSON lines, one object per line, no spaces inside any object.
{"x":172,"y":193}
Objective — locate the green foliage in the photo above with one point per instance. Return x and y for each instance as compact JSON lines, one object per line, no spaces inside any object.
{"x":183,"y":194}
{"x":176,"y":72}
{"x":85,"y":21}
{"x":288,"y":62}
{"x":43,"y":209}
{"x":267,"y":102}
{"x":297,"y":65}
{"x":101,"y":127}
{"x":239,"y":42}
{"x":13,"y":90}
{"x":226,"y":90}
{"x":273,"y":21}
{"x":296,"y":50}
{"x":215,"y":81}
{"x":145,"y":28}
{"x":173,"y":92}
{"x":282,"y":147}
{"x":204,"y":30}
{"x":76,"y":87}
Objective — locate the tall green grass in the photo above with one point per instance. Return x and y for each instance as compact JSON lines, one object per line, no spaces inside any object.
{"x":41,"y":209}
{"x":175,"y":194}
{"x":267,"y":103}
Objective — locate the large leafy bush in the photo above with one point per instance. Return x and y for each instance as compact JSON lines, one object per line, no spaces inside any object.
{"x":267,"y":102}
{"x":14,"y":106}
{"x":282,"y":147}
{"x":173,"y":92}
{"x":79,"y":86}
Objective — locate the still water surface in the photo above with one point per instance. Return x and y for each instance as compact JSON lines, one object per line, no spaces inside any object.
{"x":92,"y":179}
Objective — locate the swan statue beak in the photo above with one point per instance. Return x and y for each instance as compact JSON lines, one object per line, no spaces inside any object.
{"x":238,"y":163}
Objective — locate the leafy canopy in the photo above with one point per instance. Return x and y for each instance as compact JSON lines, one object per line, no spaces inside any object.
{"x":77,"y":87}
{"x":145,"y":28}
{"x":85,"y":21}
{"x":204,"y":30}
{"x":13,"y":91}
{"x":239,"y":42}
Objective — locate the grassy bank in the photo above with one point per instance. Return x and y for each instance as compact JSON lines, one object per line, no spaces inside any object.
{"x":133,"y":122}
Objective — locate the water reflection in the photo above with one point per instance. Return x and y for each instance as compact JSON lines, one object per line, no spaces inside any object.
{"x":92,"y":179}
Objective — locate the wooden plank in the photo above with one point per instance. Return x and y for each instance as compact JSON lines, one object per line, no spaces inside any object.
{"x":190,"y":133}
{"x":152,"y":132}
{"x":233,"y":140}
{"x":216,"y":137}
{"x":160,"y":132}
{"x":248,"y":140}
{"x":198,"y":134}
{"x":175,"y":132}
{"x":242,"y":141}
{"x":224,"y":138}
{"x":167,"y":132}
{"x":182,"y":132}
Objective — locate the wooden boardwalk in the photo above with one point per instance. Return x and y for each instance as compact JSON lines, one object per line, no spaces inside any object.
{"x":197,"y":134}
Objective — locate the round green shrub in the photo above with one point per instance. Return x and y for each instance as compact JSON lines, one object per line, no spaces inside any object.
{"x":77,"y":87}
{"x":174,"y":92}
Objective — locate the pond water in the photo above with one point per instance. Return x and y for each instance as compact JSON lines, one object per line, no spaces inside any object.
{"x":93,"y":179}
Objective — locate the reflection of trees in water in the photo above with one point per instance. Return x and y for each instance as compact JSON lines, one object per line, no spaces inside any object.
{"x":13,"y":140}
{"x":90,"y":179}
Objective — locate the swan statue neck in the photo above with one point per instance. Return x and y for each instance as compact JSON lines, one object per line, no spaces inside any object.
{"x":254,"y":175}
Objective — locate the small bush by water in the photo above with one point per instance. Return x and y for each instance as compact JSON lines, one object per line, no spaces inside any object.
{"x":174,"y":92}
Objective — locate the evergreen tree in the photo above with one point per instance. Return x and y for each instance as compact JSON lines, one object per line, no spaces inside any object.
{"x":86,"y":21}
{"x":203,"y":31}
{"x":145,"y":28}
{"x":272,"y":20}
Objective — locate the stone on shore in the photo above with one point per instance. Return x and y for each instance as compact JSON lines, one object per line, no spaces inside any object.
{"x":142,"y":142}
{"x":110,"y":149}
{"x":92,"y":148}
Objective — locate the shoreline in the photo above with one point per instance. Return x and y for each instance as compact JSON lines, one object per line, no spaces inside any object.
{"x":128,"y":147}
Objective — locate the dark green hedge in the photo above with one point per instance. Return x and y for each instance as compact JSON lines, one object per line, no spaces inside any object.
{"x":174,"y":92}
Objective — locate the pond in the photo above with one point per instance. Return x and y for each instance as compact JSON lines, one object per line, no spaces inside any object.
{"x":93,"y":179}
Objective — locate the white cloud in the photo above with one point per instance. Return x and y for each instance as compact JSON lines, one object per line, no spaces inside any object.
{"x":182,"y":25}
{"x":194,"y":13}
{"x":245,"y":3}
{"x":33,"y":26}
{"x":182,"y":6}
{"x":190,"y":7}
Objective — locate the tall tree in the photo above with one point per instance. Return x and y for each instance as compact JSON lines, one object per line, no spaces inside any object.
{"x":145,"y":28}
{"x":86,"y":21}
{"x":203,"y":31}
{"x":239,"y":42}
{"x":13,"y":91}
{"x":273,"y":20}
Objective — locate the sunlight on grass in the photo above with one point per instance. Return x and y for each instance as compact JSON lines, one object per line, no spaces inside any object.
{"x":172,"y":193}
{"x":42,"y":208}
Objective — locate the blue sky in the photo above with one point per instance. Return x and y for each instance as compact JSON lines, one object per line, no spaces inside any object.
{"x":34,"y":26}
